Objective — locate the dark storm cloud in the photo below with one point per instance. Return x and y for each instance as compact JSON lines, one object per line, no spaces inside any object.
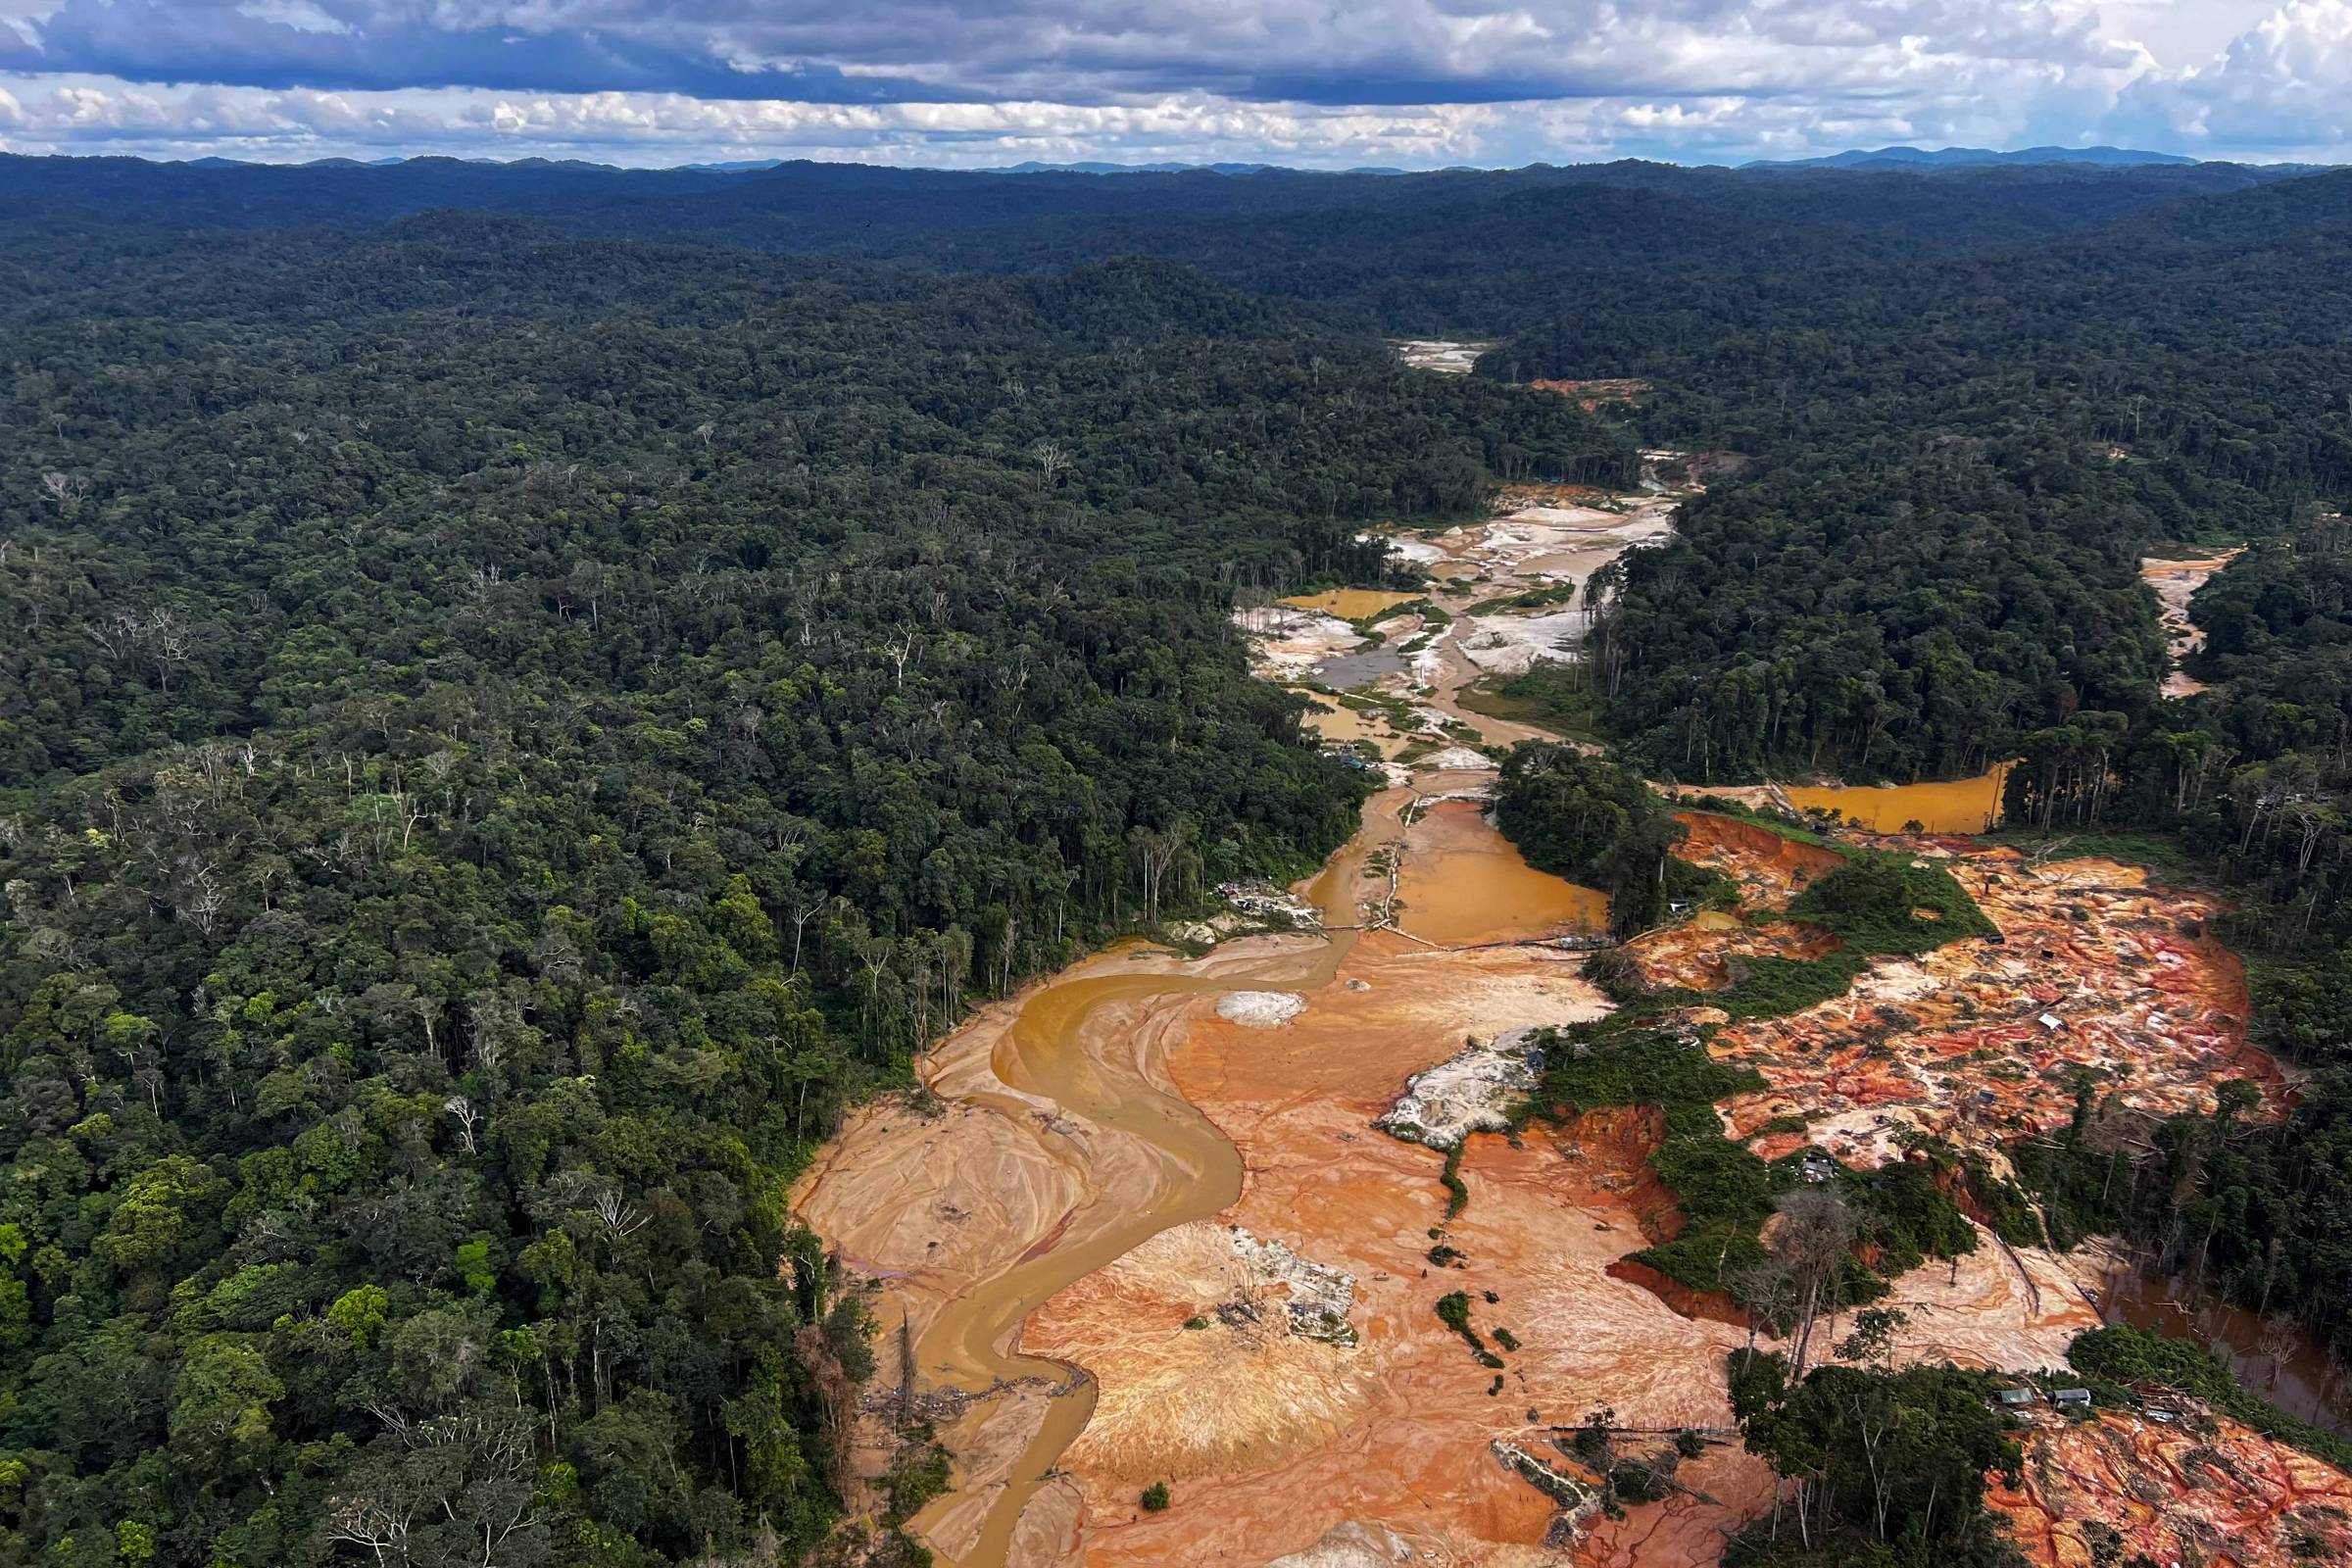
{"x":343,"y":47}
{"x":1068,"y":51}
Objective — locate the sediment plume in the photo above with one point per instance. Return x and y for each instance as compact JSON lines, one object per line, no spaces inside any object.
{"x":1189,"y":1220}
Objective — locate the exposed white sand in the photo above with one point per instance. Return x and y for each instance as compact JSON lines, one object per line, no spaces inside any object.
{"x":1260,"y":1010}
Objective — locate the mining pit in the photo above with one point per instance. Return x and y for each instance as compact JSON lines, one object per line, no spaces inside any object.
{"x":2198,"y":1488}
{"x":2176,"y":581}
{"x":1443,"y":354}
{"x":1979,"y":1041}
{"x":1186,"y":1220}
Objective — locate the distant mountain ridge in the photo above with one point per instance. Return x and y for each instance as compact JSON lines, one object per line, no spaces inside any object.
{"x":1880,"y":159}
{"x":1973,"y":156}
{"x":1034,"y":167}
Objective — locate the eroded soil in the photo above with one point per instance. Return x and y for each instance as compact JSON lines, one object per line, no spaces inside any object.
{"x":2203,"y":1488}
{"x":1144,"y":1228}
{"x":2176,"y":581}
{"x":1979,"y":1041}
{"x":1397,"y":1431}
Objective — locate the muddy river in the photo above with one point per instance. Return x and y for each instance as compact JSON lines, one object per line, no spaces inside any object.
{"x":1461,"y":882}
{"x":1044,"y":1054}
{"x":2273,"y":1357}
{"x":1079,"y":1054}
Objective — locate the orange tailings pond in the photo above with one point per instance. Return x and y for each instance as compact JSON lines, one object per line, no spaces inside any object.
{"x":1958,"y":806}
{"x":1165,"y":1172}
{"x":1348,"y":604}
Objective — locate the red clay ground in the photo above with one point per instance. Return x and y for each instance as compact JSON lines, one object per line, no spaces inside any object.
{"x":2206,"y":1491}
{"x":1270,"y":1443}
{"x":2139,"y":993}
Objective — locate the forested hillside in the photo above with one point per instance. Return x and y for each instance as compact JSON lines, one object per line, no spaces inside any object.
{"x":500,"y":736}
{"x":1479,"y":252}
{"x":1955,"y":465}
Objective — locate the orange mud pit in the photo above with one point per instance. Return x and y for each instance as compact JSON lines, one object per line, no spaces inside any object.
{"x":1956,"y":1042}
{"x":1699,"y":955}
{"x":1461,"y":882}
{"x":1770,"y":868}
{"x":1960,"y":805}
{"x":2200,"y":1489}
{"x":1348,"y":604}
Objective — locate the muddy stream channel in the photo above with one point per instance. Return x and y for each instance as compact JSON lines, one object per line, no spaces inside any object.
{"x":1076,"y":1066}
{"x":1044,"y":1054}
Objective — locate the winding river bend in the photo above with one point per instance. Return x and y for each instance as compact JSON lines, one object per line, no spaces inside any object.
{"x":1063,"y":1094}
{"x":968,"y":1344}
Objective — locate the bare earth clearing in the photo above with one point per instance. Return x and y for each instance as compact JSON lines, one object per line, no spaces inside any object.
{"x":1439,"y":354}
{"x":1165,"y":1171}
{"x":2175,"y":582}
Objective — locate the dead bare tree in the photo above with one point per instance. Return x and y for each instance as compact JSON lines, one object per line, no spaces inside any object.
{"x":468,"y":1118}
{"x":1154,"y":852}
{"x":1052,"y":459}
{"x":67,"y":490}
{"x":1812,"y":1232}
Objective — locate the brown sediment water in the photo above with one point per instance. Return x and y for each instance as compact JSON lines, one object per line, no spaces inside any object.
{"x":1055,"y":1051}
{"x":2273,"y":1357}
{"x":1460,"y":881}
{"x":1348,"y":604}
{"x":1957,"y":806}
{"x":1337,"y":722}
{"x":967,"y":1343}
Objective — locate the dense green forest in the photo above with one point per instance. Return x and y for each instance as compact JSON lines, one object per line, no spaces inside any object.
{"x":1954,"y":465}
{"x":1874,"y":1466}
{"x":1473,"y":252}
{"x":500,"y":736}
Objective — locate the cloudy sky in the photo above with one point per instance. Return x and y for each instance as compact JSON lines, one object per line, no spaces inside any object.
{"x":1311,"y":82}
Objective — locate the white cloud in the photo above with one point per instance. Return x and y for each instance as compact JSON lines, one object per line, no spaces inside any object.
{"x":303,"y":16}
{"x":2283,"y":88}
{"x":1400,"y":82}
{"x":95,"y":115}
